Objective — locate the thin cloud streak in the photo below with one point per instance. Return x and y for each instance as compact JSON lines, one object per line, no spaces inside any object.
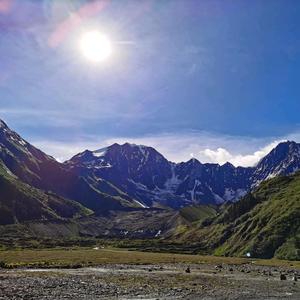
{"x":66,"y":117}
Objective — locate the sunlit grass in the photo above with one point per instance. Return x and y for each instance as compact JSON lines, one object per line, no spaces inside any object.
{"x":90,"y":257}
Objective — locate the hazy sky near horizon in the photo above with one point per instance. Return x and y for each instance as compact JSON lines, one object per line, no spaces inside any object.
{"x":217,"y":80}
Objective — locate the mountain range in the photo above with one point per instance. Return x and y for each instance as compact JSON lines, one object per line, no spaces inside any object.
{"x":133,"y":191}
{"x":132,"y":176}
{"x":145,"y":175}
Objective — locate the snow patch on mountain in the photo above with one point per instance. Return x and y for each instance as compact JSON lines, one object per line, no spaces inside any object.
{"x":158,"y":233}
{"x":139,"y":185}
{"x":100,"y":152}
{"x":143,"y":150}
{"x":229,"y":194}
{"x":233,"y":195}
{"x":192,"y":191}
{"x":218,"y":199}
{"x":141,"y":204}
{"x":173,"y":182}
{"x":102,"y":165}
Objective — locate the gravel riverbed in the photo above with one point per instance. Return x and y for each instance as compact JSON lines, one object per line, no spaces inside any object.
{"x":165,"y":281}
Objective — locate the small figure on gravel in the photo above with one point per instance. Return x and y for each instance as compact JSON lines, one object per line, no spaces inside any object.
{"x":188,"y":270}
{"x":295,"y":278}
{"x":282,"y":276}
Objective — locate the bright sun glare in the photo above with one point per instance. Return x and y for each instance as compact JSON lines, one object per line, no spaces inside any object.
{"x":95,"y":46}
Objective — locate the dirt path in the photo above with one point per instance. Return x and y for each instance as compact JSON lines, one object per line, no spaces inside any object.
{"x":166,"y":281}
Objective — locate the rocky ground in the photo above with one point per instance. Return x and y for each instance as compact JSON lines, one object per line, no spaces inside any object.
{"x":165,"y":281}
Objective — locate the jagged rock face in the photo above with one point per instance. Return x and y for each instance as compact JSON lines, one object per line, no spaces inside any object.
{"x":23,"y":159}
{"x":127,"y":162}
{"x":42,"y":171}
{"x":146,"y":175}
{"x":212,"y":183}
{"x":136,"y":163}
{"x":138,"y":170}
{"x":282,"y":160}
{"x":139,"y":175}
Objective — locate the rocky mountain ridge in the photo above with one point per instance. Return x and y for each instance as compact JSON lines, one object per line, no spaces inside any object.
{"x":144,"y":174}
{"x":134,"y":176}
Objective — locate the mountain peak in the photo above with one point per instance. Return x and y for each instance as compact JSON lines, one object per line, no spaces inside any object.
{"x":282,"y":149}
{"x":286,"y":143}
{"x":126,"y":145}
{"x":136,"y":146}
{"x":3,"y":124}
{"x":131,"y":149}
{"x":228,"y":165}
{"x":193,"y":161}
{"x":284,"y":159}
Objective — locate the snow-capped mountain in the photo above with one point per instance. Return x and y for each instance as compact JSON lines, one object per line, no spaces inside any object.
{"x":212,"y":183}
{"x":139,"y":171}
{"x":128,"y":175}
{"x":144,"y":174}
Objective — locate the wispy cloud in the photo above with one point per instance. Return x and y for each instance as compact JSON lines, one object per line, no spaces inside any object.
{"x":65,"y":117}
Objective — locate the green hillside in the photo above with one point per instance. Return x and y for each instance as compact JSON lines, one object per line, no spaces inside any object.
{"x":20,"y":202}
{"x":198,"y":213}
{"x":265,"y":223}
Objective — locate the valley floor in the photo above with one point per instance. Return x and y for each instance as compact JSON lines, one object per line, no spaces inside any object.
{"x":142,"y":276}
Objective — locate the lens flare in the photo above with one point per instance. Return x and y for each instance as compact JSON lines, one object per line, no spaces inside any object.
{"x":95,"y":46}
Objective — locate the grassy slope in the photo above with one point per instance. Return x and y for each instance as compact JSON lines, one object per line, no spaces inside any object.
{"x":265,"y":223}
{"x":20,"y":202}
{"x":142,"y":225}
{"x":198,"y":213}
{"x":85,"y":256}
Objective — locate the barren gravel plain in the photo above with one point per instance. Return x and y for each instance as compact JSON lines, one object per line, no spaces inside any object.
{"x":154,"y":276}
{"x":150,"y":282}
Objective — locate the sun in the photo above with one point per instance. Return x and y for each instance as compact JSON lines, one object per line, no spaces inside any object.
{"x":95,"y":46}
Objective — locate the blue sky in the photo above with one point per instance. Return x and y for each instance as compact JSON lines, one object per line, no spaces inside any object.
{"x":218,"y":80}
